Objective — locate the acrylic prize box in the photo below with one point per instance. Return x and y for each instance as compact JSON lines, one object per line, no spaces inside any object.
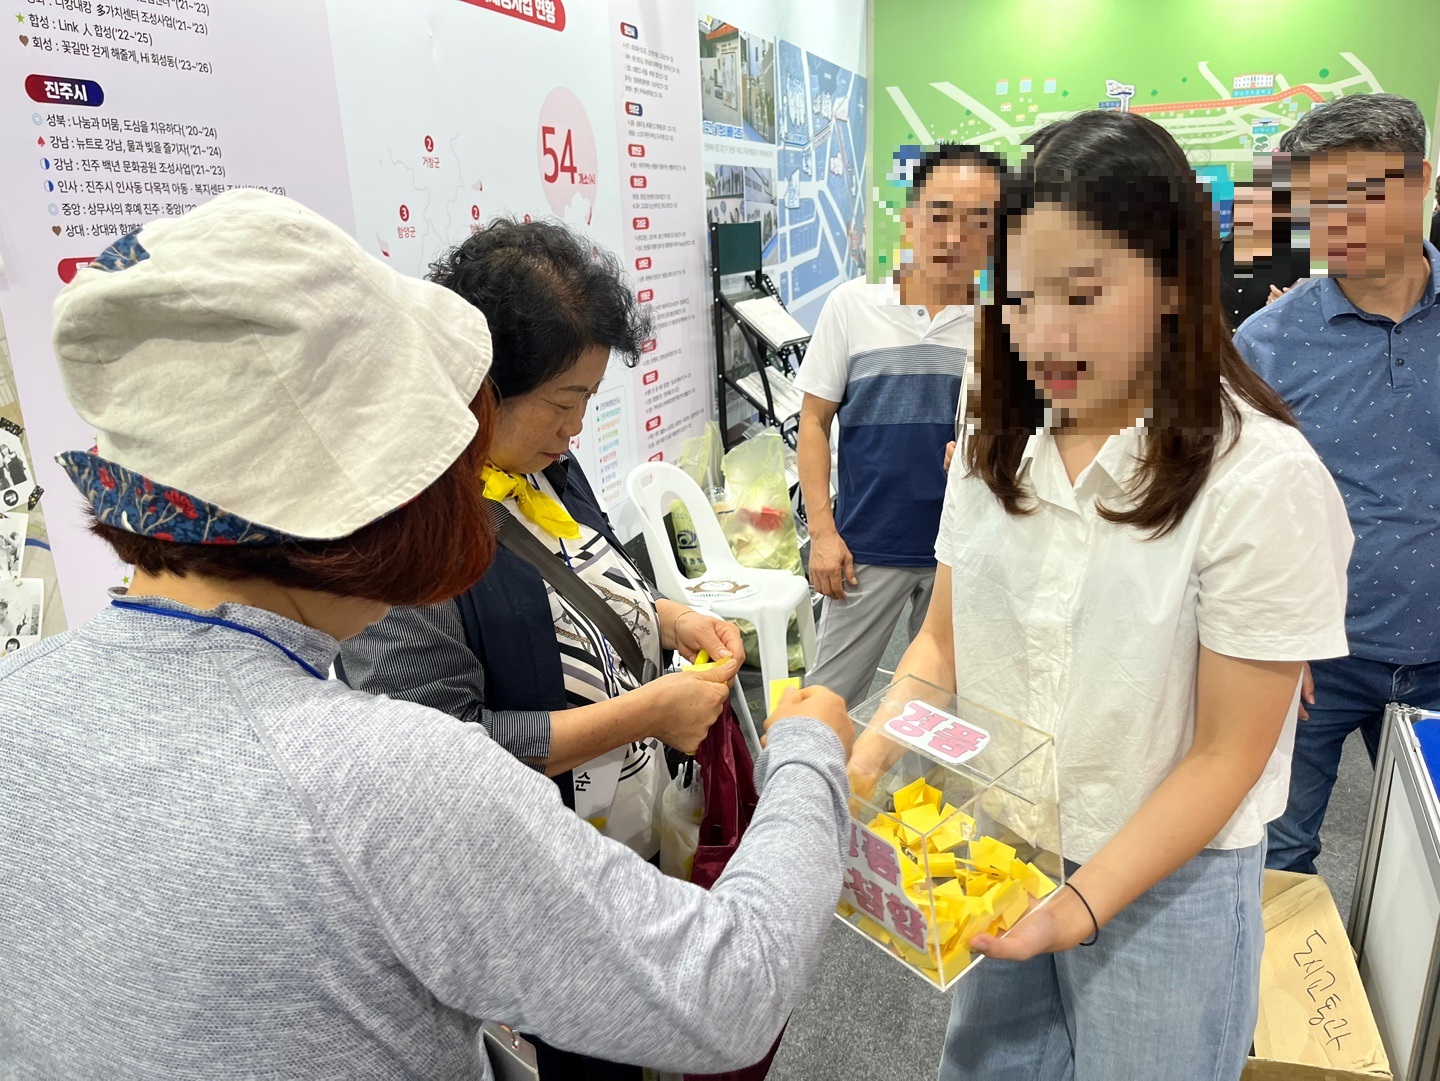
{"x":954,"y":826}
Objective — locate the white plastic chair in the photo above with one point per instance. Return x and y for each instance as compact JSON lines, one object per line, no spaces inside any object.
{"x":766,"y":598}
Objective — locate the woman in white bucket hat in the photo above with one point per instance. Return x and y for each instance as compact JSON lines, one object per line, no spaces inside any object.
{"x":218,"y":863}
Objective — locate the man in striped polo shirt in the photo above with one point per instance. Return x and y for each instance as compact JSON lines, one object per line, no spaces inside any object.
{"x":889,"y":361}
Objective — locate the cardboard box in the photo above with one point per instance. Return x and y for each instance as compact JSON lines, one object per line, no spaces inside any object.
{"x":1315,"y":1021}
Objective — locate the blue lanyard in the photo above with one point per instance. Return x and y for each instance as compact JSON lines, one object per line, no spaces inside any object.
{"x":215,"y":621}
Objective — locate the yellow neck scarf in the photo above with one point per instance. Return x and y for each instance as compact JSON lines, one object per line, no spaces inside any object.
{"x":549,"y":514}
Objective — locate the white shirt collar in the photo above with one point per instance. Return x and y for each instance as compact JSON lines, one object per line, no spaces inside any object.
{"x":888,"y":292}
{"x":1118,"y":459}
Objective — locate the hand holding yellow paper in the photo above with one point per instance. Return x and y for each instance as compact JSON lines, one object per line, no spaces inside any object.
{"x":701,"y":663}
{"x":779,"y":687}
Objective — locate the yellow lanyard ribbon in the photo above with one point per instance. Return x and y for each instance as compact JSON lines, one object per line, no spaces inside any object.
{"x":546,"y":512}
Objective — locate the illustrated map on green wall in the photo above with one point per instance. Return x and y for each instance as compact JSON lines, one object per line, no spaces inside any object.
{"x":1226,"y":84}
{"x":1242,"y":115}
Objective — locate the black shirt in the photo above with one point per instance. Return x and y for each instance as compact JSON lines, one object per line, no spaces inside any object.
{"x":1245,"y":288}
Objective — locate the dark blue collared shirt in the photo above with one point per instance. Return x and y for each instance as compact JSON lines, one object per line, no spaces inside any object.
{"x":1367,"y":393}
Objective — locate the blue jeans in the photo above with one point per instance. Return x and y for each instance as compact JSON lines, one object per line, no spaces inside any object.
{"x":1170,"y":992}
{"x":1350,"y":693}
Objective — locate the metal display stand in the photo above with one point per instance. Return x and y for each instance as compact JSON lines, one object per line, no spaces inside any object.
{"x":770,"y":386}
{"x":1395,"y":917}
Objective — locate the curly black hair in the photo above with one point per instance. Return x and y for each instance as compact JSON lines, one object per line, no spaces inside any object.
{"x":548,"y":295}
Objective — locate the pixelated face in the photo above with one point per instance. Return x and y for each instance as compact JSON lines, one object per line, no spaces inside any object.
{"x":1364,"y":210}
{"x":1253,"y":210}
{"x":1083,"y":311}
{"x":950,"y":224}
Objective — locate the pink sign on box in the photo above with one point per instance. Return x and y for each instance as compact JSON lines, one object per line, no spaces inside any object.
{"x":936,"y":732}
{"x":872,"y":886}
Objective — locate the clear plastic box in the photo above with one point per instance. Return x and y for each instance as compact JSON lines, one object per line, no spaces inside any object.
{"x":954,"y":826}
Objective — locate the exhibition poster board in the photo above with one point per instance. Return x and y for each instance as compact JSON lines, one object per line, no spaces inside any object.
{"x":407,"y":123}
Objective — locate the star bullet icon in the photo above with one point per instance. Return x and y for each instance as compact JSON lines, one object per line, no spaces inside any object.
{"x":19,"y":18}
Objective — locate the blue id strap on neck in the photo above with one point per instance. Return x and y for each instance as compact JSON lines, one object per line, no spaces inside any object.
{"x":216,"y":621}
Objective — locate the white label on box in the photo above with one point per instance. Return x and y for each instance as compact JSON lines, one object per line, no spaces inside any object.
{"x":872,"y":886}
{"x":938,"y":733}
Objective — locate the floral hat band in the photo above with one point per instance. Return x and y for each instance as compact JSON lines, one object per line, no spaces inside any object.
{"x":124,"y":499}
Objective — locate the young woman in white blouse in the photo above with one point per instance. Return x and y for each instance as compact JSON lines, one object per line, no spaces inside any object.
{"x":1139,"y":551}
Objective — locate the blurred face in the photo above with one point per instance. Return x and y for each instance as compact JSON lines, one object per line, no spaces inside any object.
{"x":1365,"y":210}
{"x":950,"y":226}
{"x":1252,"y":212}
{"x":535,"y":429}
{"x":1083,"y":311}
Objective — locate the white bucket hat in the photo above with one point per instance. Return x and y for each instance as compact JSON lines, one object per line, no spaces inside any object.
{"x":254,"y":376}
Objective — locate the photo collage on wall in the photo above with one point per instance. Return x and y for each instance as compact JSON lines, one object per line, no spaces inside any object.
{"x":22,"y":600}
{"x":784,"y":146}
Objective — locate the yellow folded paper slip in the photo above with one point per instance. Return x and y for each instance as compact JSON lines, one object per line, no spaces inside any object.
{"x":916,"y":793}
{"x":987,"y":893}
{"x":779,"y":687}
{"x":701,"y":663}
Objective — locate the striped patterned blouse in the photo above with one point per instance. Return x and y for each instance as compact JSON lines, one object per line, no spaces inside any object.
{"x":617,"y":791}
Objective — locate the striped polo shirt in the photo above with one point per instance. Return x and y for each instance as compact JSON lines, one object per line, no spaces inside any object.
{"x":897,"y":375}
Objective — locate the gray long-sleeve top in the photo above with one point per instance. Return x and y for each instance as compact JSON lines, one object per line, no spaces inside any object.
{"x":214,"y":865}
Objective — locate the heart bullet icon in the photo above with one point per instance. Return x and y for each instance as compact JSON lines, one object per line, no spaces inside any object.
{"x":24,"y":40}
{"x":55,"y":229}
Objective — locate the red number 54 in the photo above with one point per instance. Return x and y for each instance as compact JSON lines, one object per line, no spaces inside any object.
{"x":564,"y":162}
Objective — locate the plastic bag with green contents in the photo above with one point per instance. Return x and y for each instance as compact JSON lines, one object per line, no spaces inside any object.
{"x":761,"y":525}
{"x":753,"y":506}
{"x":701,"y":457}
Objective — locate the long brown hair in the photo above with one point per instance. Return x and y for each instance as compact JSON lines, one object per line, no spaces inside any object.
{"x":1127,"y":176}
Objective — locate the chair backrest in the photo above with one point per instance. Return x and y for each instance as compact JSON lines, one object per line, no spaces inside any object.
{"x":653,"y":487}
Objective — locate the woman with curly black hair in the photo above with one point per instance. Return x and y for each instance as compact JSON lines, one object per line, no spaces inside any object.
{"x":515,"y":653}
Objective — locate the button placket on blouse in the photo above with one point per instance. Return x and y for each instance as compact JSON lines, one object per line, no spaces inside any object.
{"x":1048,"y":629}
{"x":1079,"y":543}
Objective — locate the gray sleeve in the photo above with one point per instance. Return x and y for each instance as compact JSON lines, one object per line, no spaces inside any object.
{"x":421,"y":655}
{"x":508,"y":907}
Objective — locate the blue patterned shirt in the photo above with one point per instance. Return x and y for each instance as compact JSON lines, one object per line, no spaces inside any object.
{"x":1367,"y":393}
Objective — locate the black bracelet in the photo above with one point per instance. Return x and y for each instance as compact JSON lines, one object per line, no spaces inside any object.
{"x":1092,"y":939}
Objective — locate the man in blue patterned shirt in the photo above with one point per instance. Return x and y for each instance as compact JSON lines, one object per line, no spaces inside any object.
{"x":1357,"y":356}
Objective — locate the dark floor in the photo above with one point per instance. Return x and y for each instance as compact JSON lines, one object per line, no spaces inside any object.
{"x":868,"y":1019}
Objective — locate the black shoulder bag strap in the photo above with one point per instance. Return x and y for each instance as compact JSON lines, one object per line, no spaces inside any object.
{"x":574,"y":589}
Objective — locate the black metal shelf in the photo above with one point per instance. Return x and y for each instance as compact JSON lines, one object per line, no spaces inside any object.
{"x":769,"y":388}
